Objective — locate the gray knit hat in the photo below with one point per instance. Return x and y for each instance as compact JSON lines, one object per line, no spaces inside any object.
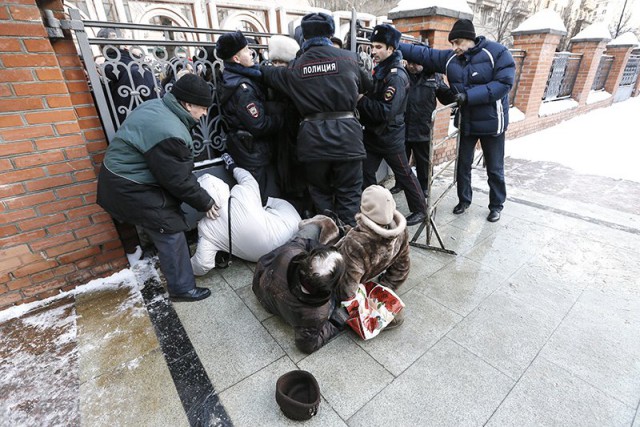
{"x":377,"y":204}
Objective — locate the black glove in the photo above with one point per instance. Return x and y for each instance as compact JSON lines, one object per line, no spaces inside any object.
{"x":460,"y":99}
{"x":229,"y":164}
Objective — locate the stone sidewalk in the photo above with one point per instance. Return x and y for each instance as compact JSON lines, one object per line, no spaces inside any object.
{"x":535,"y":321}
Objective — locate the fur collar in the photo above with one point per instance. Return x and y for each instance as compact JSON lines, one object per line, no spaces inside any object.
{"x":397,"y":226}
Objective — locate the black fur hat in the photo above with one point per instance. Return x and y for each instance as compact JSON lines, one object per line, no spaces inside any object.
{"x":298,"y":395}
{"x":229,"y":44}
{"x":317,"y":25}
{"x":462,"y":29}
{"x":385,"y":33}
{"x":192,"y":89}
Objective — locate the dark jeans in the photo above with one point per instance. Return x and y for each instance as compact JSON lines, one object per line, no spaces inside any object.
{"x":493,"y":150}
{"x":336,"y":186}
{"x":404,"y":177}
{"x":175,"y":260}
{"x":420,"y":151}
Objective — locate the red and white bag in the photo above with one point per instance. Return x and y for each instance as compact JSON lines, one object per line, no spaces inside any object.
{"x":372,"y":309}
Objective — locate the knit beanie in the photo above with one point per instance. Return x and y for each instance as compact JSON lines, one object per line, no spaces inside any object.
{"x":385,"y":33}
{"x":282,"y":48}
{"x":317,"y":25}
{"x":462,"y":29}
{"x":229,"y":44}
{"x":192,"y":89}
{"x":377,"y":204}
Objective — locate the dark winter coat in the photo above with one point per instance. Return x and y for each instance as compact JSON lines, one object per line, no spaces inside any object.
{"x":147,"y":170}
{"x":323,"y":79}
{"x":485,"y":73}
{"x":127,"y":74}
{"x":276,"y":285}
{"x":253,"y":122}
{"x":370,"y":251}
{"x":382,"y":111}
{"x":424,"y":88}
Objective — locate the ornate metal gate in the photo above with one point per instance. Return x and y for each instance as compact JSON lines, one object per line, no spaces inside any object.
{"x":629,"y":78}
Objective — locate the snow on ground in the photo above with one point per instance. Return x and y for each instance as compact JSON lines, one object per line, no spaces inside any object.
{"x":602,"y":142}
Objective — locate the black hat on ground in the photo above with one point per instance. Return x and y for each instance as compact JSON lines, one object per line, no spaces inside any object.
{"x":229,"y":44}
{"x":298,"y":395}
{"x":462,"y":29}
{"x":192,"y":89}
{"x":385,"y":33}
{"x":317,"y":25}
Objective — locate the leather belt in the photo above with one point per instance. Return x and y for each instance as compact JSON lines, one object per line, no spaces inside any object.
{"x":333,"y":115}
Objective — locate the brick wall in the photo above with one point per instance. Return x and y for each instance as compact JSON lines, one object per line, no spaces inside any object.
{"x":53,"y":236}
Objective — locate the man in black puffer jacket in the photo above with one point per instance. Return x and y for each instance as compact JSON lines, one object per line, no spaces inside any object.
{"x":481,"y":74}
{"x":324,"y":83}
{"x":382,"y":114}
{"x":147,"y":174}
{"x":253,"y":122}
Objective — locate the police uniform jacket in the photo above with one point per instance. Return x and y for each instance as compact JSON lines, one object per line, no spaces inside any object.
{"x":147,"y":170}
{"x":485,"y":73}
{"x":382,"y":112}
{"x":424,"y":88}
{"x":323,"y":80}
{"x":253,"y":122}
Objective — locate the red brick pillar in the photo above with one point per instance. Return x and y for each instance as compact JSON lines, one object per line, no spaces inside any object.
{"x":53,"y":236}
{"x":591,"y":51}
{"x":540,"y":46}
{"x":620,"y":53}
{"x":432,"y":24}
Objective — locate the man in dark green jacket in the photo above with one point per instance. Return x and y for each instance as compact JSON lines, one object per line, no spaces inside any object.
{"x":147,"y":174}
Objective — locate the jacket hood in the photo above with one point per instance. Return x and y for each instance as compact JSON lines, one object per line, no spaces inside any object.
{"x":217,"y":189}
{"x":396,"y":227}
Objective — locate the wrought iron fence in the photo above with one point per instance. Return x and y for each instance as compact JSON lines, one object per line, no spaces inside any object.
{"x":562,"y":76}
{"x":604,"y":68}
{"x":518,"y":58}
{"x":630,"y":73}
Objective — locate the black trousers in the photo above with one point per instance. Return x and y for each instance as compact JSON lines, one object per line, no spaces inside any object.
{"x":175,"y":260}
{"x":336,"y":186}
{"x":404,"y":177}
{"x":420,"y":151}
{"x":493,"y":150}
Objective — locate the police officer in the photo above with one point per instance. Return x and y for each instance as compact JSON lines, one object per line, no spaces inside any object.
{"x":253,"y":122}
{"x":382,"y":113}
{"x":324,"y":83}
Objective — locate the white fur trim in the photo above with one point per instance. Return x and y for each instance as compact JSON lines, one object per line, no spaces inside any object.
{"x":397,"y":226}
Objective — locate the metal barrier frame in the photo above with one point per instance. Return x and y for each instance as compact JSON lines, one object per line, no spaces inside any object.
{"x":602,"y":74}
{"x":518,"y":56}
{"x":560,"y":82}
{"x":432,"y":206}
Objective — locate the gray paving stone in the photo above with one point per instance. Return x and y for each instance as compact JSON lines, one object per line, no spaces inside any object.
{"x":144,"y":383}
{"x":457,"y":239}
{"x":238,"y":274}
{"x":422,"y":266}
{"x":231,"y":343}
{"x":462,"y":285}
{"x":547,"y":395}
{"x":448,"y":386}
{"x":598,"y":342}
{"x":284,"y":335}
{"x":425,"y":323}
{"x":509,"y":328}
{"x":252,"y":401}
{"x":511,"y":248}
{"x":249,"y":298}
{"x":347,"y":375}
{"x":636,"y":421}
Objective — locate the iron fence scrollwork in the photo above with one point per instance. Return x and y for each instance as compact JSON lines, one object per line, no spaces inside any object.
{"x":604,"y":68}
{"x":562,"y":76}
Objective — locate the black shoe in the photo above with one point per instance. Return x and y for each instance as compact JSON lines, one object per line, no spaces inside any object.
{"x":426,"y":194}
{"x":416,"y":218}
{"x":493,"y":216}
{"x":395,"y":189}
{"x":195,"y":294}
{"x":460,"y":208}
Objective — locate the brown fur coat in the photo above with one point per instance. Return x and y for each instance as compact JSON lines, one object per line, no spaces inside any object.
{"x":369,"y":250}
